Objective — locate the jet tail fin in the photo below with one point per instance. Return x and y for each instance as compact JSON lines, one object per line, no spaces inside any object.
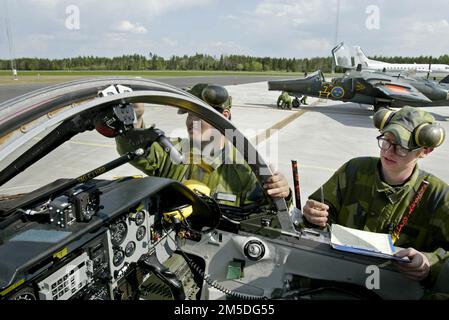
{"x":360,"y":57}
{"x":445,"y":80}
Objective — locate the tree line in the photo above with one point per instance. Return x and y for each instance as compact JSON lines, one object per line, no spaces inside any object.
{"x":196,"y":62}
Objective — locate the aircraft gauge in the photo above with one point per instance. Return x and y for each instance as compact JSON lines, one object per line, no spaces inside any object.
{"x":130,"y":249}
{"x":119,"y":231}
{"x":119,"y":257}
{"x":141,"y":232}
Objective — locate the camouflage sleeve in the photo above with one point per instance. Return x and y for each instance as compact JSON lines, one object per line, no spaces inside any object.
{"x":151,"y":163}
{"x":333,"y":190}
{"x":256,"y":185}
{"x":252,"y":191}
{"x":440,"y":233}
{"x":289,"y":199}
{"x":436,"y":259}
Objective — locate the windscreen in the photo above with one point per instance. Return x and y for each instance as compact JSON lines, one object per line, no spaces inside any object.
{"x":208,"y":156}
{"x":342,"y":56}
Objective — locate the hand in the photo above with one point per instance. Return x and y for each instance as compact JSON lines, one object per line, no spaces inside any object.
{"x":419,"y":267}
{"x":316,"y":212}
{"x":277,"y":186}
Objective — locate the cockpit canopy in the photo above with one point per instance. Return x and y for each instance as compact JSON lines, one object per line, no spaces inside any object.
{"x":55,"y":133}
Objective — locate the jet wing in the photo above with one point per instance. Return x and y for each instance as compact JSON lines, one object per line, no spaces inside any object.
{"x":401,"y":92}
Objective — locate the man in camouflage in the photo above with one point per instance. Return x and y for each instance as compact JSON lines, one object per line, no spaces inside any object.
{"x":231,"y":183}
{"x":284,"y":101}
{"x":380,"y":194}
{"x":139,"y":109}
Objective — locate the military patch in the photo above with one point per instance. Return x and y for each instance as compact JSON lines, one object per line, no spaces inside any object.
{"x":226,"y":196}
{"x":338,"y":92}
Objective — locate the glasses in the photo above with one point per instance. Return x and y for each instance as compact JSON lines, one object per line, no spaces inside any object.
{"x":384,"y":144}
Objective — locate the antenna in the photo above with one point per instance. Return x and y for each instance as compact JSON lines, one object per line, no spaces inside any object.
{"x":10,"y":40}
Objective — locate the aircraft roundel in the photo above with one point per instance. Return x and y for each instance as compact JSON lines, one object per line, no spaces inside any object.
{"x":338,"y":92}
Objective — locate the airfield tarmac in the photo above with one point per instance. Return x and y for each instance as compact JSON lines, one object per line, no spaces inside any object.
{"x":321,"y":137}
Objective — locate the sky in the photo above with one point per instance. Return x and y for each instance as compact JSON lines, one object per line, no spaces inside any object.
{"x":273,"y":28}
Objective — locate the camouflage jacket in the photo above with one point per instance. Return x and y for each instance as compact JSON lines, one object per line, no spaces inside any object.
{"x":358,"y":198}
{"x":231,"y":184}
{"x":285,"y":97}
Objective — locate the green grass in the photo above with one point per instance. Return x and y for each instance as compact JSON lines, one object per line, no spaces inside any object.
{"x":146,"y":73}
{"x":50,"y":77}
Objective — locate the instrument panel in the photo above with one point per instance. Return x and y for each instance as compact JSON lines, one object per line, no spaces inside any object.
{"x":94,"y":257}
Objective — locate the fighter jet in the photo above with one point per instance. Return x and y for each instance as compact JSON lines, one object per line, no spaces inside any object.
{"x":372,"y":88}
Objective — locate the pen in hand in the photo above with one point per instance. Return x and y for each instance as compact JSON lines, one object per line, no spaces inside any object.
{"x":322,"y":201}
{"x":322,"y":194}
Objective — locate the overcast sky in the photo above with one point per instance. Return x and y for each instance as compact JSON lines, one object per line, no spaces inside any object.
{"x":275,"y":28}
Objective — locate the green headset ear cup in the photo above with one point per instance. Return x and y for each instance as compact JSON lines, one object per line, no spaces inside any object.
{"x":382,"y":117}
{"x":215,"y":95}
{"x":429,"y":135}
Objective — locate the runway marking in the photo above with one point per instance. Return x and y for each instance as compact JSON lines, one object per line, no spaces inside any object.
{"x":19,"y":187}
{"x":278,"y":126}
{"x":319,"y":168}
{"x":91,"y":144}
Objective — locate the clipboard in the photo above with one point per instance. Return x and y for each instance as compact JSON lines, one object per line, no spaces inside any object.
{"x":371,"y":253}
{"x":379,"y":245}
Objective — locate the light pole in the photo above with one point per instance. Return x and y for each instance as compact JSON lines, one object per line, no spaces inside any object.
{"x":10,"y":41}
{"x":337,"y":25}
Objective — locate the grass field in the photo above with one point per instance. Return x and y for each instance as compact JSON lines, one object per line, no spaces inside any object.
{"x":58,"y":76}
{"x":167,"y":73}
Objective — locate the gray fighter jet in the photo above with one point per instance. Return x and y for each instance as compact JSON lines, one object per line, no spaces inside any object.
{"x":373,"y":88}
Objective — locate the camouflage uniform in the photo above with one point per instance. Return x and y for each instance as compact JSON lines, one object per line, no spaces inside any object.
{"x":359,"y":198}
{"x":231,"y":183}
{"x":284,"y":101}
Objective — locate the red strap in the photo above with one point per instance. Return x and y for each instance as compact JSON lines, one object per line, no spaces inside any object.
{"x":418,"y":196}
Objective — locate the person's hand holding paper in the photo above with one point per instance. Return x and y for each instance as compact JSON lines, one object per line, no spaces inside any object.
{"x":364,"y":242}
{"x":419,"y":267}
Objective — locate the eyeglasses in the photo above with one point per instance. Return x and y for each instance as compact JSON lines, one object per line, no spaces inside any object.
{"x":384,"y":144}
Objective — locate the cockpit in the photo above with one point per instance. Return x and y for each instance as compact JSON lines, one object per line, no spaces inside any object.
{"x":115,"y":196}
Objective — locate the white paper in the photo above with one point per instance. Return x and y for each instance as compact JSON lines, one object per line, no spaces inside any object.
{"x":378,"y":242}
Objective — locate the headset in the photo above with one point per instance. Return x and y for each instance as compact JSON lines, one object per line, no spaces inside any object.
{"x":425,"y":135}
